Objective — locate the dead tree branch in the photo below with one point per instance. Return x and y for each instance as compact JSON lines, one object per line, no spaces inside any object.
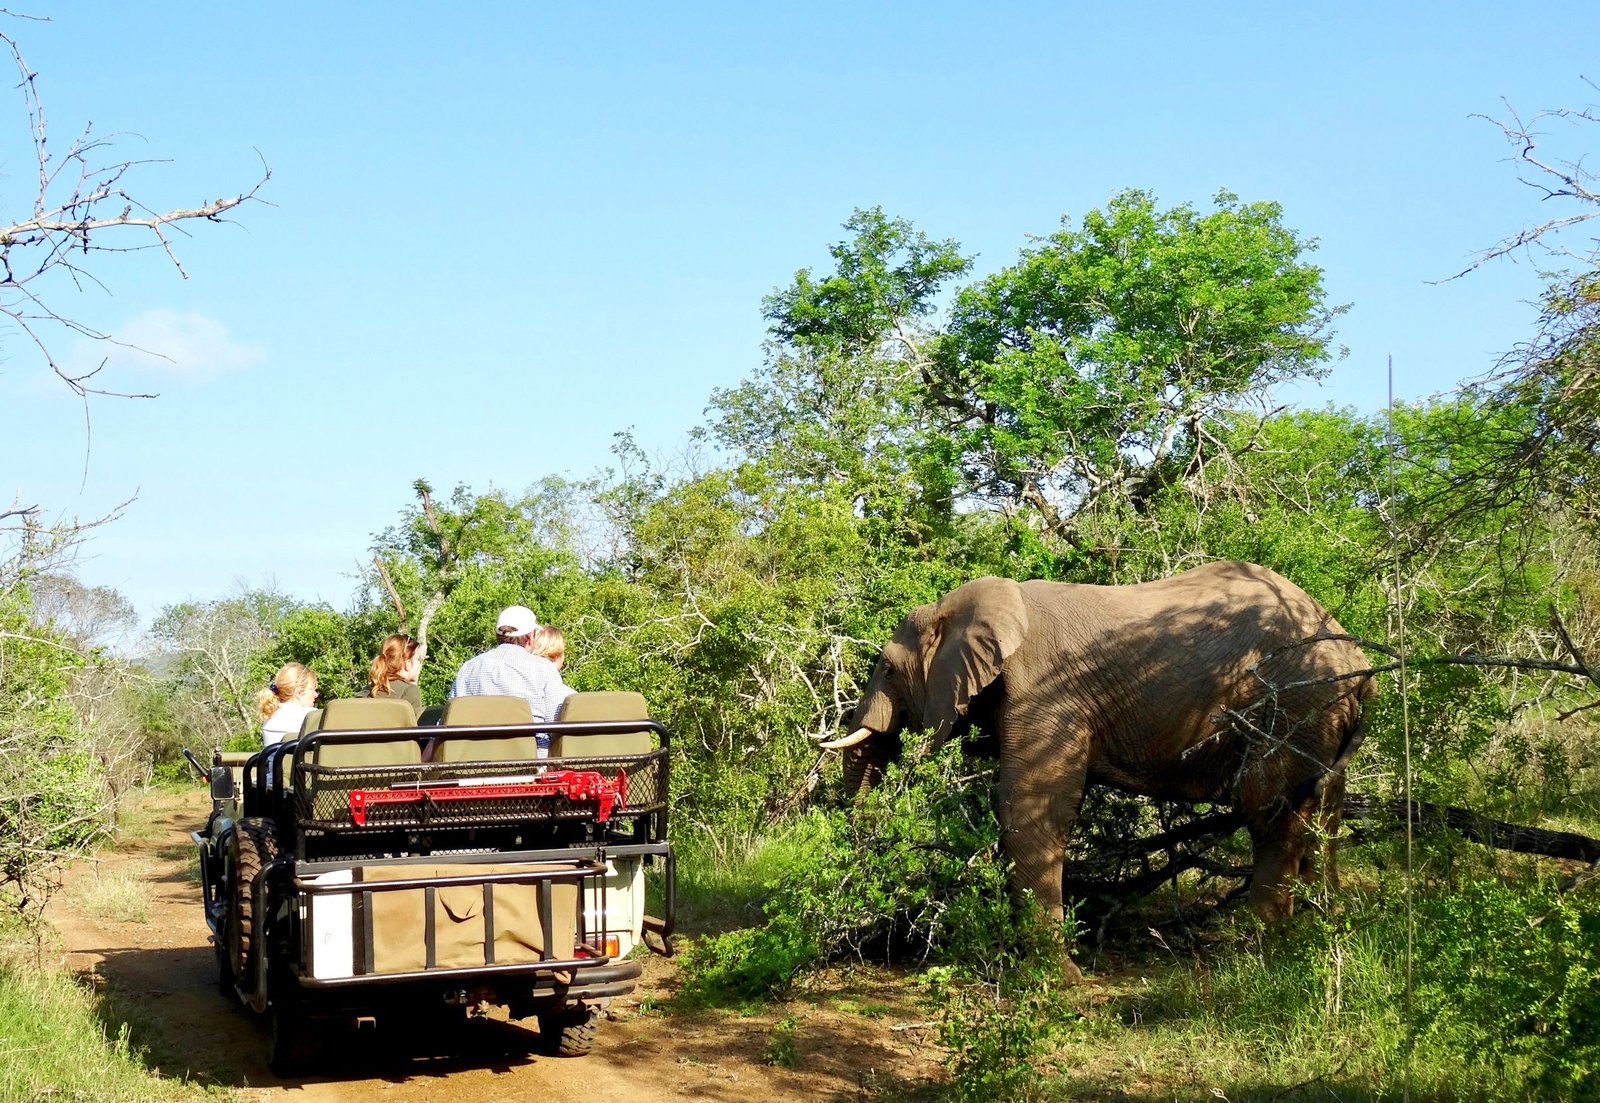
{"x":1516,"y":837}
{"x":1551,"y":178}
{"x":1186,"y":846}
{"x":394,"y":595}
{"x":75,"y":195}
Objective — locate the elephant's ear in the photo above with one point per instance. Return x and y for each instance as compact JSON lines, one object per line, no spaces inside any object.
{"x":975,"y":629}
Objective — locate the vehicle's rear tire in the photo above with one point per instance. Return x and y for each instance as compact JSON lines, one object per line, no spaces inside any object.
{"x":252,"y":846}
{"x":294,"y":1046}
{"x":569,"y":1033}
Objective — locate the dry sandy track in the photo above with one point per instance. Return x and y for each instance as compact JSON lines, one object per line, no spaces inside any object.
{"x":159,"y":976}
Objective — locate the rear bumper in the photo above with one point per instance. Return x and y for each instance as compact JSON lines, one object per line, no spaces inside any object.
{"x":535,"y":975}
{"x":526,"y":988}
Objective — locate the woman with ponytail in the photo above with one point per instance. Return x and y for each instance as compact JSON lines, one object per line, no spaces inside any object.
{"x":283,"y":704}
{"x":394,"y":672}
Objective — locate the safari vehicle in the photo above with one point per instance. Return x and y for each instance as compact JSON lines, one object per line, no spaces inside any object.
{"x":384,"y":873}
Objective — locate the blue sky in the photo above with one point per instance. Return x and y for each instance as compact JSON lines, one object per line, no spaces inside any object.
{"x":500,"y":233}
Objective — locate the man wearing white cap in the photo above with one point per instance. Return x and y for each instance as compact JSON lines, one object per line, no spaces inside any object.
{"x":512,"y":669}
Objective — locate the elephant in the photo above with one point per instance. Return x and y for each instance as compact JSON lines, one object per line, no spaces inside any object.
{"x":1226,"y":683}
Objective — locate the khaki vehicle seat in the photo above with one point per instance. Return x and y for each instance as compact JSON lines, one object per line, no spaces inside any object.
{"x":486,"y":711}
{"x":311,"y":723}
{"x":369,"y":714}
{"x":602,"y":705}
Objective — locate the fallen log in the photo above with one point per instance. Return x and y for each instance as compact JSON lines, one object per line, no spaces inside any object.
{"x":1516,"y":837}
{"x":1134,"y":865}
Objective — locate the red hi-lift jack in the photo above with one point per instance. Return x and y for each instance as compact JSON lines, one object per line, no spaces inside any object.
{"x":575,"y":785}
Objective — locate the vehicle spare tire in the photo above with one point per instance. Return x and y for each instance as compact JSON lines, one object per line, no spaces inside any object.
{"x":252,"y":846}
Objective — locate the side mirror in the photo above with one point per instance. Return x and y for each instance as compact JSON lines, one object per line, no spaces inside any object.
{"x":221,"y":783}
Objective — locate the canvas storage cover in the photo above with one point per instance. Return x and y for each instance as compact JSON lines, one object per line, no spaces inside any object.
{"x":396,"y":922}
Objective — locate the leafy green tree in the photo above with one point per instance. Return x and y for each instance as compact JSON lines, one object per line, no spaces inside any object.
{"x":1111,"y":361}
{"x":840,"y":401}
{"x":461,"y":561}
{"x":51,"y":784}
{"x":1097,"y":369}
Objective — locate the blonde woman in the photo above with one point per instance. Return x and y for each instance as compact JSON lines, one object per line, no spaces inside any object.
{"x":395,"y":671}
{"x":283,"y":704}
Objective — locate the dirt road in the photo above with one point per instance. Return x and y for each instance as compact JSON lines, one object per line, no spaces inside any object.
{"x":838,"y":1041}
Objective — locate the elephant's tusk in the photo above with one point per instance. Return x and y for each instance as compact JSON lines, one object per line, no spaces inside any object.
{"x":816,"y":737}
{"x":858,"y":736}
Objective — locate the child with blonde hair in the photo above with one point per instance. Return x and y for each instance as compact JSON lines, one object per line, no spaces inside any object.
{"x":552,"y":644}
{"x":283,"y":705}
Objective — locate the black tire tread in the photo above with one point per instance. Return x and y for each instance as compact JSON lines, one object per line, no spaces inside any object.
{"x":569,"y":1033}
{"x":254,"y":844}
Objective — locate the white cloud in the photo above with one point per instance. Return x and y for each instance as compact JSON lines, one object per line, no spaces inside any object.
{"x":170,"y":344}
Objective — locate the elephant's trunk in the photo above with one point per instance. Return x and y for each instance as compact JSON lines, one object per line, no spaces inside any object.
{"x":866,"y":762}
{"x":861,"y":772}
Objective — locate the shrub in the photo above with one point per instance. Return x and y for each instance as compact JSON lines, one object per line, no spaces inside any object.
{"x":912,"y":872}
{"x":1513,"y":982}
{"x":781,"y":1050}
{"x":1505,"y":1000}
{"x":998,"y":1029}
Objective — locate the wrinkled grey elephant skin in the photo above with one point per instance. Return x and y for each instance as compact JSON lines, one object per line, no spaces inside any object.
{"x":1220,"y":684}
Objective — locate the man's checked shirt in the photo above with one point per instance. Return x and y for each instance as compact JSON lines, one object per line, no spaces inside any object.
{"x":509,"y":670}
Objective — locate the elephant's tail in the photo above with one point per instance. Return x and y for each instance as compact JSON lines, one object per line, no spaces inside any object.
{"x":1353,"y":738}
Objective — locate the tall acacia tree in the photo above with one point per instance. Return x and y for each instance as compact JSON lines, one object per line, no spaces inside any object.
{"x":840,"y":402}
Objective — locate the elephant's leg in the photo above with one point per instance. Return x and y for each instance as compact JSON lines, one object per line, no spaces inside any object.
{"x":1329,"y":818}
{"x":1035,"y":824}
{"x":1278,"y":841}
{"x":1039,"y":805}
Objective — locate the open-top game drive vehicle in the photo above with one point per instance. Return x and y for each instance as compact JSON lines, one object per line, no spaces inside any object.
{"x":377,"y":871}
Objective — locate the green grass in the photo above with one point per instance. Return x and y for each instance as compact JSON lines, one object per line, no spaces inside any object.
{"x":1501,"y":1007}
{"x":724,"y":878}
{"x":54,"y":1047}
{"x":122,"y":895}
{"x":1505,"y":1003}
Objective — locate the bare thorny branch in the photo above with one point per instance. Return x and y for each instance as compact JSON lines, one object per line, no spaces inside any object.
{"x":1551,"y":178}
{"x":71,"y":219}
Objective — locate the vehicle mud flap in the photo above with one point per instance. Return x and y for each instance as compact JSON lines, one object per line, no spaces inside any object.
{"x":654,"y":934}
{"x":225,"y":981}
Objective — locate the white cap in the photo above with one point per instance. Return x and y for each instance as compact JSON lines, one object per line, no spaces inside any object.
{"x":516,"y":620}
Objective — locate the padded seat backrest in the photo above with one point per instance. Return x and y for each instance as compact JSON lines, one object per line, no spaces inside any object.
{"x":486,"y":711}
{"x":312,"y":722}
{"x":369,"y":714}
{"x":472,"y":712}
{"x":601,"y":705}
